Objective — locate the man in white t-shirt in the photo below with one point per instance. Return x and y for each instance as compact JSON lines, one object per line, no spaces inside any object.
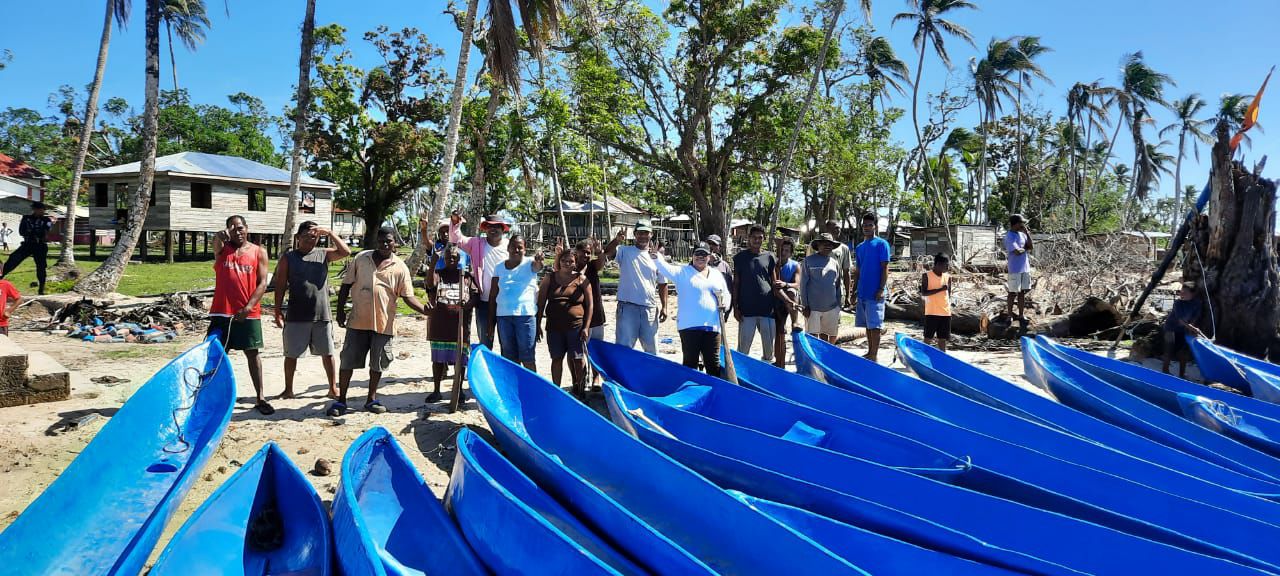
{"x":641,"y":307}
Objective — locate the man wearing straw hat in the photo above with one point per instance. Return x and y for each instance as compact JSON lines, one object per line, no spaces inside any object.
{"x":486,"y":252}
{"x":821,"y":280}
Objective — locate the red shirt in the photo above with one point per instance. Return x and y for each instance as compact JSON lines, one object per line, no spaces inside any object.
{"x":8,"y":293}
{"x":235,"y":280}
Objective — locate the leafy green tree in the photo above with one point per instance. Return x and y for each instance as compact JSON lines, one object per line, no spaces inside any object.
{"x":376,"y":133}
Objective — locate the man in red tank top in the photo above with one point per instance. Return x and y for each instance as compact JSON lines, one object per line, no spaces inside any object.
{"x":240,"y":280}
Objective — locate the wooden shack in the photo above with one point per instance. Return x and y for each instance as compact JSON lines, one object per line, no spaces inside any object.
{"x":193,"y":195}
{"x":975,"y":245}
{"x":586,"y":218}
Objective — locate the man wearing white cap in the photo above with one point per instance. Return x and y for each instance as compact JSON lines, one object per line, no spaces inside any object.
{"x":641,"y":307}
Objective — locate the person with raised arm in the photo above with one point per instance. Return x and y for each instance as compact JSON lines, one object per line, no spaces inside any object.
{"x":302,"y":281}
{"x":240,"y":281}
{"x":701,"y":297}
{"x":513,"y":303}
{"x":642,"y":296}
{"x":486,"y":253}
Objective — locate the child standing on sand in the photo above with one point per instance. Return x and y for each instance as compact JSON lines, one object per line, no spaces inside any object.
{"x":935,"y":290}
{"x":1180,"y":322}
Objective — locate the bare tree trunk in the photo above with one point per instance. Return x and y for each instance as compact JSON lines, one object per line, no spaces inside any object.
{"x":67,"y":259}
{"x":476,"y":205}
{"x":300,"y":118}
{"x":107,"y":277}
{"x":173,"y":60}
{"x":451,"y":133}
{"x":1018,"y":189}
{"x":1236,"y":244}
{"x":1177,"y":181}
{"x":837,"y":9}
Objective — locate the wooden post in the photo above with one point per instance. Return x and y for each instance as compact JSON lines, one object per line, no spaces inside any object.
{"x":168,"y":246}
{"x":142,"y":243}
{"x":93,"y":243}
{"x":206,"y":242}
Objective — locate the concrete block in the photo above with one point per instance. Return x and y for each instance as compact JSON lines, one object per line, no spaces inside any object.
{"x":44,"y":374}
{"x":13,"y":366}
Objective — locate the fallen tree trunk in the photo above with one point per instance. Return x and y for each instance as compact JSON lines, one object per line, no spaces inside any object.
{"x":1231,"y":257}
{"x":965,"y":323}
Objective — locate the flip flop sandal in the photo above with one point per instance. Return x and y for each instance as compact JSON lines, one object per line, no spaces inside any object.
{"x":375,"y":407}
{"x":265,"y":409}
{"x":336,"y":409}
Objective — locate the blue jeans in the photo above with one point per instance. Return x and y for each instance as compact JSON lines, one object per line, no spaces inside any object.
{"x":482,"y":324}
{"x":517,"y":335}
{"x":636,"y":322}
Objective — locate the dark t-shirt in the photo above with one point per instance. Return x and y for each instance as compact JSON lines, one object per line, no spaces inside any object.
{"x":597,"y":299}
{"x":755,"y":277}
{"x":1185,"y":310}
{"x":308,"y":286}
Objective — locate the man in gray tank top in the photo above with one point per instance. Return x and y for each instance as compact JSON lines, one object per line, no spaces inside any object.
{"x":302,"y":279}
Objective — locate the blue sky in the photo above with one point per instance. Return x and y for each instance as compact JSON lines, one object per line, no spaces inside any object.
{"x":1208,"y":47}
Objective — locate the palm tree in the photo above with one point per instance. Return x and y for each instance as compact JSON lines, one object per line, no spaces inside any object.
{"x":1185,"y":111}
{"x":1141,"y":87}
{"x":117,"y":10}
{"x":992,"y":85}
{"x":107,"y":277}
{"x":1084,"y":110}
{"x":931,"y":29}
{"x":188,"y":17}
{"x":541,"y":19}
{"x":1231,"y":109}
{"x":968,"y":147}
{"x":1023,"y":62}
{"x":883,"y":69}
{"x":300,"y":117}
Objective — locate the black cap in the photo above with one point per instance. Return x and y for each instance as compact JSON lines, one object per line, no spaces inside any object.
{"x":702,"y":248}
{"x":39,"y":205}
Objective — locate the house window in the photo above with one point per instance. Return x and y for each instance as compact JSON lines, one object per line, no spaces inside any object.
{"x":122,"y":201}
{"x":201,"y":195}
{"x":307,"y":202}
{"x":101,"y":195}
{"x":257,"y":200}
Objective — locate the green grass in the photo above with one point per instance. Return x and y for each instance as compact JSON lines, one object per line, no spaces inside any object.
{"x":138,"y":279}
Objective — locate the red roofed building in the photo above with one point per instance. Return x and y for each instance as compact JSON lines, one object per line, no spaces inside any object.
{"x":17,"y":178}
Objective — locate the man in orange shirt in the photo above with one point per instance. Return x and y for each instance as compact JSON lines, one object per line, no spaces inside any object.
{"x":240,"y":280}
{"x":374,"y":281}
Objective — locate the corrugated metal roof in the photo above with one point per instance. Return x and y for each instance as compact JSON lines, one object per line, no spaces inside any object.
{"x":615,"y":205}
{"x":10,"y":166}
{"x":201,"y":164}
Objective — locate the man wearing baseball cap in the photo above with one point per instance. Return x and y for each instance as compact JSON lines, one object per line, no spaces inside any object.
{"x":642,"y":295}
{"x":1017,"y":243}
{"x":487,"y":253}
{"x":34,"y":228}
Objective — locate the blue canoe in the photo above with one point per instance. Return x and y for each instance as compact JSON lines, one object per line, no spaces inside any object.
{"x":946,"y":371}
{"x":1241,"y":418}
{"x":860,"y":377}
{"x":1080,"y":390}
{"x":515,"y":527}
{"x":265,"y":519}
{"x":548,"y":434}
{"x":748,"y":427}
{"x":1152,"y":512}
{"x":387,"y":522}
{"x":878,"y":554}
{"x":104,"y":513}
{"x":1259,"y":378}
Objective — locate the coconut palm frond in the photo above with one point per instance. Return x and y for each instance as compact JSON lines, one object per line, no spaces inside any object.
{"x":540,"y":19}
{"x":187,"y":19}
{"x":881,"y":63}
{"x":120,"y":11}
{"x":503,"y":45}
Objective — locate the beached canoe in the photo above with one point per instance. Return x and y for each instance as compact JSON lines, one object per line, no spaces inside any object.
{"x":1000,"y":532}
{"x":561,"y":443}
{"x":856,"y":375}
{"x":104,"y":513}
{"x":948,"y":372}
{"x":265,"y":519}
{"x":1258,"y":378}
{"x":386,"y":521}
{"x":877,"y":553}
{"x":515,"y":527}
{"x":1078,"y":389}
{"x":1244,"y":419}
{"x":1000,"y":469}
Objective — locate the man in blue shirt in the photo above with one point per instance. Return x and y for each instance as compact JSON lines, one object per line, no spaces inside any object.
{"x":1017,"y":243}
{"x":872,"y":277}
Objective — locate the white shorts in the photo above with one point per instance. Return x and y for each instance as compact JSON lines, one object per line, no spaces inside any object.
{"x":823,"y":322}
{"x":1019,"y":282}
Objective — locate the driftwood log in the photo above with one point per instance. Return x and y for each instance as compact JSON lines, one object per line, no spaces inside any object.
{"x":1231,"y":257}
{"x":964,"y":323}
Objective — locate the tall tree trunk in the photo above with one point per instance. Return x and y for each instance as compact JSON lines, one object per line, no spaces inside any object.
{"x":173,"y":61}
{"x":924,"y":155}
{"x":476,"y":204}
{"x":1177,"y":181}
{"x":555,"y":162}
{"x":67,"y":257}
{"x":1237,"y":246}
{"x":837,"y":8}
{"x":107,"y":277}
{"x":451,"y":133}
{"x":1019,"y":186}
{"x":300,"y":119}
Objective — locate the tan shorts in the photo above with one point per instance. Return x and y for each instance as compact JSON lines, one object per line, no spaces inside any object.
{"x":823,"y":322}
{"x":1019,"y":282}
